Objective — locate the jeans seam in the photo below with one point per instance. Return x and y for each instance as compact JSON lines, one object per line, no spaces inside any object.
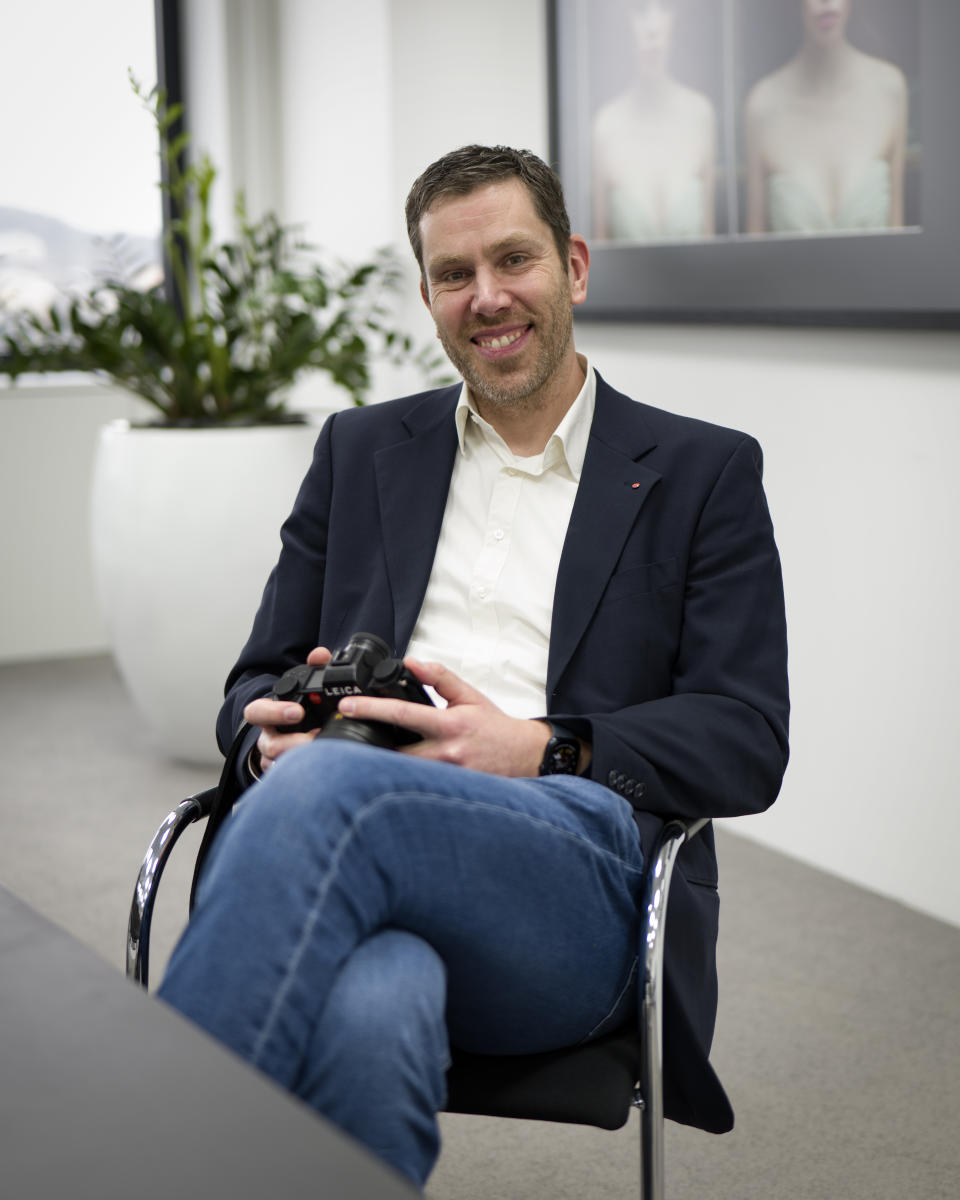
{"x":363,"y":814}
{"x":631,"y":976}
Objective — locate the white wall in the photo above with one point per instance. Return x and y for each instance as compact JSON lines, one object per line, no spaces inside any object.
{"x":48,"y":436}
{"x":860,"y":430}
{"x":335,"y":93}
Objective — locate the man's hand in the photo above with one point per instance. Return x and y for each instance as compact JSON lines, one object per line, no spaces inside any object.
{"x":470,"y":732}
{"x":273,"y":715}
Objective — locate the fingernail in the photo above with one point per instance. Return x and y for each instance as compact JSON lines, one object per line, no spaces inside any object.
{"x":291,"y":714}
{"x":348,"y":706}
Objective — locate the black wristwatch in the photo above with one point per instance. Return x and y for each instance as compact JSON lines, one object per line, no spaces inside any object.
{"x":562,"y":755}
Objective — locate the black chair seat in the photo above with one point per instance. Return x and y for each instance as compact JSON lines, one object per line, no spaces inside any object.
{"x":593,"y":1084}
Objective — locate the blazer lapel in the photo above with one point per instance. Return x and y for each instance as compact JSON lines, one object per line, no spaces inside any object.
{"x":613,"y":488}
{"x":413,"y":479}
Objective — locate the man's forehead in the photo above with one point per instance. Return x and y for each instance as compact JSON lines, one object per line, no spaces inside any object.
{"x":500,"y":212}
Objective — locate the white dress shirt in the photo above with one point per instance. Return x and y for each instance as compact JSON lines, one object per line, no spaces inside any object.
{"x":489,"y":601}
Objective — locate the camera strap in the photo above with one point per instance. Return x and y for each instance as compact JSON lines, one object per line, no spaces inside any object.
{"x":233,"y":783}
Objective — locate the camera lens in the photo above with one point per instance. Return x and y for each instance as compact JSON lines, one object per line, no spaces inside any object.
{"x":367,"y":646}
{"x":370,"y":733}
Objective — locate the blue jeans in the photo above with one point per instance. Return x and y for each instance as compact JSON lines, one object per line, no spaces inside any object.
{"x":362,"y":909}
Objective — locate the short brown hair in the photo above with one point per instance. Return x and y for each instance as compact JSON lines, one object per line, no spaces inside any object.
{"x":463,"y":171}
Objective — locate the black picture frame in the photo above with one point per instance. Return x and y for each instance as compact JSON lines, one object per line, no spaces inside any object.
{"x":908,"y":277}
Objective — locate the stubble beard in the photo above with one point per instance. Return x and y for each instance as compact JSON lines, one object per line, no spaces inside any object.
{"x":506,"y":387}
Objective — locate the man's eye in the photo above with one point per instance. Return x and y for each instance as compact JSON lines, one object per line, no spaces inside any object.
{"x":516,"y":260}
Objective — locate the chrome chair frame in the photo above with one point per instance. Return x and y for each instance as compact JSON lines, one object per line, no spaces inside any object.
{"x":648,"y":1093}
{"x":194,"y":808}
{"x":648,"y":1097}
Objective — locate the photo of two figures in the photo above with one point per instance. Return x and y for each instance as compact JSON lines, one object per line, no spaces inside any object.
{"x":707,"y":119}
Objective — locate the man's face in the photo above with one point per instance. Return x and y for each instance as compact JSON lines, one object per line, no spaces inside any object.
{"x":499,"y":294}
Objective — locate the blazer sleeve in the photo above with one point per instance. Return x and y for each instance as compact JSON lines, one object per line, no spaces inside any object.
{"x":286,"y":626}
{"x":715,"y":743}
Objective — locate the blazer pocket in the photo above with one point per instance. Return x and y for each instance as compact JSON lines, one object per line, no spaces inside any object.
{"x":641,"y":579}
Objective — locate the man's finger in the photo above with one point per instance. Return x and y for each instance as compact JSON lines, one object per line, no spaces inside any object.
{"x":272,"y":712}
{"x":423,"y":719}
{"x":272,"y":742}
{"x":446,"y":683}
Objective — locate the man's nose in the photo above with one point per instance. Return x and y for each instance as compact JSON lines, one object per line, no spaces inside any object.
{"x":489,"y":295}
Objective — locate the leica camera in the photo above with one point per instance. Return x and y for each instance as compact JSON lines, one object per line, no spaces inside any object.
{"x":363,"y":667}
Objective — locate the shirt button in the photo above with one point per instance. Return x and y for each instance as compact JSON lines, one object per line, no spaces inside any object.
{"x":482,"y":593}
{"x":498,"y":535}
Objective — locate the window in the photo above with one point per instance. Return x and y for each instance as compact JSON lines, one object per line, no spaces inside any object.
{"x":78,"y":186}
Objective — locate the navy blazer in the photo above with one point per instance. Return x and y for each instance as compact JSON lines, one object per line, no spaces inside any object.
{"x":667,"y":646}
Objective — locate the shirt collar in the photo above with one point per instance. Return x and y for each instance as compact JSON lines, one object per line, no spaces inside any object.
{"x":568,"y":442}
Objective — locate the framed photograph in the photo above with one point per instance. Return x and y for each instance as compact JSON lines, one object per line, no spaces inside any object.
{"x":789,"y":161}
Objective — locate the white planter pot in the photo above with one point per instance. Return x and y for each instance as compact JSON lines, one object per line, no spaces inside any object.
{"x":185,"y":529}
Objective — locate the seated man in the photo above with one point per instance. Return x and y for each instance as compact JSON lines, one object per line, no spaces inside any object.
{"x":591,"y":585}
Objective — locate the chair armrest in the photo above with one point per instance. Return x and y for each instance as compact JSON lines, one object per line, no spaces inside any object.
{"x":194,"y":808}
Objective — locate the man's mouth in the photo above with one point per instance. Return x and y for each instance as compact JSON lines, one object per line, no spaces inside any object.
{"x":498,"y":341}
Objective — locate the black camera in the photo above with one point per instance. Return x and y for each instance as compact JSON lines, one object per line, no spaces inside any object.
{"x":363,"y":667}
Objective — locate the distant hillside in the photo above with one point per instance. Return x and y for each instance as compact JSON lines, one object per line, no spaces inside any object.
{"x":41,"y":256}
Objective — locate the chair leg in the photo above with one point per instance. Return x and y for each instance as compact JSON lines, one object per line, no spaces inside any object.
{"x":651,"y":1152}
{"x":650,"y":1098}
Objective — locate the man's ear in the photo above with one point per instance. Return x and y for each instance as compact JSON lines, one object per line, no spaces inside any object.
{"x":579,"y":268}
{"x":425,"y":297}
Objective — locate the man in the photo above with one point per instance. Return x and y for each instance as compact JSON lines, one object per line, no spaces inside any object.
{"x":541,"y":546}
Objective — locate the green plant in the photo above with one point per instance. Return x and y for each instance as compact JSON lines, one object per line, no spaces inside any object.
{"x":250,"y":315}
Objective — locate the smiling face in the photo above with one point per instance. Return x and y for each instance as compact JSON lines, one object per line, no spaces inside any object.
{"x":501,"y":297}
{"x":825,"y":21}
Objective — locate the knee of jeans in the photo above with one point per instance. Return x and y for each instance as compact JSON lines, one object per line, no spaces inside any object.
{"x":307,"y":784}
{"x":330,"y":774}
{"x":389,"y":995}
{"x":309,"y":797}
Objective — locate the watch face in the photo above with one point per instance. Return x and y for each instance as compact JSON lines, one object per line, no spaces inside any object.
{"x":564,"y":758}
{"x":562,"y":755}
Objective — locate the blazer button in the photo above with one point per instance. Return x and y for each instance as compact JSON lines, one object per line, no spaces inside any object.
{"x":612,"y":779}
{"x":639,"y":789}
{"x":628,"y":787}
